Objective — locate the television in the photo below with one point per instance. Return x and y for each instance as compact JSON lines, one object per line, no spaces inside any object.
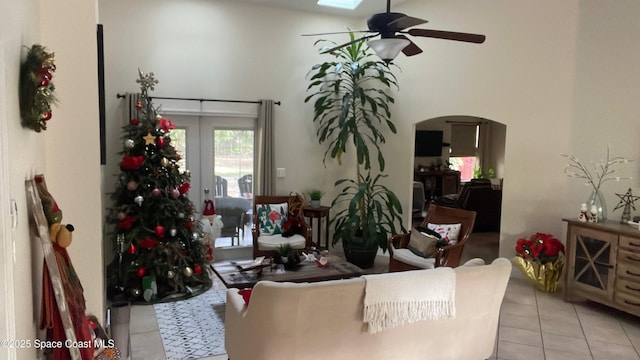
{"x":428,"y":143}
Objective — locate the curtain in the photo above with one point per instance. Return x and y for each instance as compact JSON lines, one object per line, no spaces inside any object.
{"x":264,"y":181}
{"x":130,"y":107}
{"x":463,"y":139}
{"x":484,"y":147}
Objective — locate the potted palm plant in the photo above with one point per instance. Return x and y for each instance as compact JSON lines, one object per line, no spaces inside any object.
{"x":351,"y":97}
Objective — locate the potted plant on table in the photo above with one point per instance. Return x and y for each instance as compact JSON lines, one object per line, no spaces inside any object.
{"x":351,"y":106}
{"x":315,"y":195}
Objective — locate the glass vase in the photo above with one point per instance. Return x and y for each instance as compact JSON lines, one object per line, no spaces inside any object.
{"x":596,"y":198}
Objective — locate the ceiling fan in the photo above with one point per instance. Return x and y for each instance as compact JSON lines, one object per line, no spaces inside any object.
{"x":392,"y":27}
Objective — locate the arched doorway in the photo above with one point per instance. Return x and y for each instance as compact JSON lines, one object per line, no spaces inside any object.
{"x":460,"y":161}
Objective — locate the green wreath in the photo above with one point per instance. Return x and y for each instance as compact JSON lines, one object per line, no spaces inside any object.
{"x":36,"y":88}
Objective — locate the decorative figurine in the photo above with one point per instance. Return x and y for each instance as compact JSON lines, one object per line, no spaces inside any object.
{"x":593,"y":217}
{"x":627,"y":201}
{"x":583,"y":213}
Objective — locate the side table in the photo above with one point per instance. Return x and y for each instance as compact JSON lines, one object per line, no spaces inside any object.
{"x":318,"y":213}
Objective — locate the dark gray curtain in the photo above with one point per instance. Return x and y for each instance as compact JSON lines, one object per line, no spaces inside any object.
{"x":264,"y":181}
{"x":130,"y":107}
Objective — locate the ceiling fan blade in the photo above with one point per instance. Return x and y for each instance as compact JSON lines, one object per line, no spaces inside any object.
{"x":448,"y":35}
{"x":338,"y":32}
{"x":347,"y":44}
{"x":404,"y":23}
{"x":411,"y":49}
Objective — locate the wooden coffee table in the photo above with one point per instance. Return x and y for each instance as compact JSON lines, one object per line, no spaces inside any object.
{"x":338,"y":268}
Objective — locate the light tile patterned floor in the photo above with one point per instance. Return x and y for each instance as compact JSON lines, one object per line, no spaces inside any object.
{"x":533,"y":326}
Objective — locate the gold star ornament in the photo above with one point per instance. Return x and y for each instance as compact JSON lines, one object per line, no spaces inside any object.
{"x":149,"y":139}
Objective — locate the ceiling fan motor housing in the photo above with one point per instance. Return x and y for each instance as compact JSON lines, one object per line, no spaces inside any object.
{"x":380,"y":23}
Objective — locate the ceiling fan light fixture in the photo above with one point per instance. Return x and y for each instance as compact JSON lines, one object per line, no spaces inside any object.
{"x":342,"y":4}
{"x":388,"y":49}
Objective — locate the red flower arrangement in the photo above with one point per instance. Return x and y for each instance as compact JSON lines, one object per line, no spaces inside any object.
{"x":542,"y":248}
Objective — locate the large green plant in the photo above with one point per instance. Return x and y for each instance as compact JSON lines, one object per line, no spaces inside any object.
{"x":351,"y":106}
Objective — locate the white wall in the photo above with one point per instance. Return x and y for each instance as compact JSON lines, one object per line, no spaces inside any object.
{"x":66,"y":28}
{"x":523,"y":76}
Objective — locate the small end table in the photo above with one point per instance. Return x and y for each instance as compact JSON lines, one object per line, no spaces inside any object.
{"x":318,"y":213}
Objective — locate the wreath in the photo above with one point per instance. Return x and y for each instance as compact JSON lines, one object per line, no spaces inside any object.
{"x":36,"y":88}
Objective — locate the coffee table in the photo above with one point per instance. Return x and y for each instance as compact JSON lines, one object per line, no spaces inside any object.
{"x":232,"y":277}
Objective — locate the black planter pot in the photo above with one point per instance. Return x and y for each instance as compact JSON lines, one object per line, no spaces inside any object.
{"x":359,"y":253}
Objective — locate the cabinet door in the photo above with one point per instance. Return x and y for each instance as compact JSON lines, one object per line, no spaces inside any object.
{"x":591,"y":262}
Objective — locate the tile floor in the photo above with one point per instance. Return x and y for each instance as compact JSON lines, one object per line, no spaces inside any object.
{"x":533,"y":325}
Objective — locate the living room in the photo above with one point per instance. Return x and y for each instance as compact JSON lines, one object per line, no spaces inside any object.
{"x":560,"y":75}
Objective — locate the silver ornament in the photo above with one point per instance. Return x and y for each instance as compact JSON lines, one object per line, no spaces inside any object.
{"x":129,"y":143}
{"x":180,"y":215}
{"x":187,"y":271}
{"x":173,"y":231}
{"x":195,"y":236}
{"x":164,"y":162}
{"x":138,"y":200}
{"x":171,"y":274}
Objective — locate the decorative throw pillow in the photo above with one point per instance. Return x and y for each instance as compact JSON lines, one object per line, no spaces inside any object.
{"x":271,"y":218}
{"x":448,"y":232}
{"x":423,"y":241}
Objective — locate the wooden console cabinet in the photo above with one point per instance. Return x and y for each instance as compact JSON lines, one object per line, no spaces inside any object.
{"x":603,"y":264}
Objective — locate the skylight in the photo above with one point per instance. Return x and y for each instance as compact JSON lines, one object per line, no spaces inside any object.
{"x":342,"y":4}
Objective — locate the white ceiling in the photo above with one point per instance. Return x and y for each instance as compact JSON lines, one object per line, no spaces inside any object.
{"x":364,"y":10}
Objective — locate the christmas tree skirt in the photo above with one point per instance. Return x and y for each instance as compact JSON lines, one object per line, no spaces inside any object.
{"x":194,"y":328}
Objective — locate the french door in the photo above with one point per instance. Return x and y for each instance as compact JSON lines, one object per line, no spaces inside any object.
{"x":219,"y":153}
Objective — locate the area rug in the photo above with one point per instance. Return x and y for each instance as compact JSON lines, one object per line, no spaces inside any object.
{"x":194,"y":328}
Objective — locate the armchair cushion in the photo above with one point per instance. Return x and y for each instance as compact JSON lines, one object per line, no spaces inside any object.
{"x":449,"y":232}
{"x":272,"y":218}
{"x":406,"y":256}
{"x":272,"y":242}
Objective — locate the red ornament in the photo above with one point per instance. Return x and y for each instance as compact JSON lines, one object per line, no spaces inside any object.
{"x":155,"y":192}
{"x":131,"y":162}
{"x":189,"y":225}
{"x":160,"y":231}
{"x":197,"y":269}
{"x":160,"y":142}
{"x":184,"y":188}
{"x":46,"y":116}
{"x":141,"y":272}
{"x":138,"y":105}
{"x":44,"y":82}
{"x":132,"y":249}
{"x":127,"y":222}
{"x":134,"y":122}
{"x":147,"y":243}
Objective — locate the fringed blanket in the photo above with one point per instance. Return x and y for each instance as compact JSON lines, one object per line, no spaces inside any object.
{"x":400,"y":298}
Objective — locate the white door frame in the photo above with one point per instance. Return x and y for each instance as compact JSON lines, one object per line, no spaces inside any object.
{"x":7,"y":301}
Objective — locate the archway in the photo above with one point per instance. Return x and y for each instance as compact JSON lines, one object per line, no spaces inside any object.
{"x":460,"y":161}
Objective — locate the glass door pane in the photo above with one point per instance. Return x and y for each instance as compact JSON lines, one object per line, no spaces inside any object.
{"x":233,"y":161}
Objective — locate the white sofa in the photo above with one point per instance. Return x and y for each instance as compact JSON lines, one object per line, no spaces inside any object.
{"x":324,"y":321}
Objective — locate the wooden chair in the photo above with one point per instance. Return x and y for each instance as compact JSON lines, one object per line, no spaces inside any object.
{"x":245,"y":184}
{"x":221,"y":186}
{"x":232,"y":210}
{"x":267,"y":245}
{"x":449,"y":255}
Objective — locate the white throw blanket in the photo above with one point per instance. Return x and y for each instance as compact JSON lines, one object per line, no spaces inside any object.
{"x":405,"y":297}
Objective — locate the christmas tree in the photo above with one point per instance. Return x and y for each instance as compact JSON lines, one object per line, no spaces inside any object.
{"x":160,"y":254}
